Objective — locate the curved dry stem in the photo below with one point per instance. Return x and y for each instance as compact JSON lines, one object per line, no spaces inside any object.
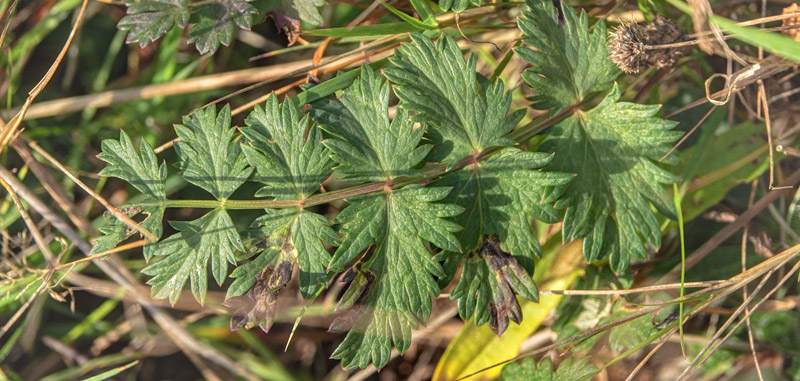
{"x":9,"y":131}
{"x":117,"y":271}
{"x":111,"y":209}
{"x":745,"y":232}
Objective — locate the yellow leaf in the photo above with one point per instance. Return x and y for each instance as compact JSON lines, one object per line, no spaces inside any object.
{"x":476,"y":348}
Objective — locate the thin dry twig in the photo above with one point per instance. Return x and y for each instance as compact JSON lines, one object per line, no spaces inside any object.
{"x":660,"y":287}
{"x":122,"y":276}
{"x":728,"y":322}
{"x":649,"y":355}
{"x":190,"y":85}
{"x":691,"y":370}
{"x":689,"y":133}
{"x":118,"y":249}
{"x":111,"y":209}
{"x":37,"y":235}
{"x":51,"y":186}
{"x":745,"y":233}
{"x":762,"y":97}
{"x":731,"y":285}
{"x":21,"y":310}
{"x":731,"y":228}
{"x":9,"y":131}
{"x":6,"y":20}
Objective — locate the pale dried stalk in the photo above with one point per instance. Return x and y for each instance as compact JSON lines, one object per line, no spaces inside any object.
{"x":727,"y":323}
{"x":37,"y":235}
{"x":745,"y":232}
{"x":724,"y":289}
{"x":191,"y":85}
{"x":108,"y":289}
{"x":122,"y":276}
{"x":660,"y":287}
{"x":733,"y":329}
{"x":51,"y":186}
{"x":111,"y":209}
{"x":377,"y":54}
{"x":9,"y":131}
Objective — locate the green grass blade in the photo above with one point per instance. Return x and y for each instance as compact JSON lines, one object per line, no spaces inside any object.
{"x":403,"y":16}
{"x":111,"y":373}
{"x":504,"y":62}
{"x":772,"y":42}
{"x":365,"y":31}
{"x":334,"y":84}
{"x":677,"y":199}
{"x":425,"y":12}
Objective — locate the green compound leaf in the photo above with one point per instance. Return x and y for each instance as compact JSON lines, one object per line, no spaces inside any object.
{"x":568,"y":63}
{"x":215,"y":23}
{"x":290,"y":166}
{"x":613,"y":148}
{"x":399,"y":299}
{"x":366,"y":145}
{"x":500,"y":194}
{"x":141,"y":170}
{"x":393,"y":283}
{"x":469,"y":114}
{"x":291,"y":237}
{"x":186,"y":255}
{"x":457,"y":5}
{"x":209,"y":156}
{"x":569,"y":369}
{"x":259,"y":282}
{"x":148,"y":20}
{"x":301,"y":237}
{"x":115,"y":231}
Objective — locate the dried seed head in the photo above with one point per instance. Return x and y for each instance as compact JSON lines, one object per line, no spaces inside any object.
{"x":627,"y":49}
{"x":795,"y":10}
{"x":633,"y":47}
